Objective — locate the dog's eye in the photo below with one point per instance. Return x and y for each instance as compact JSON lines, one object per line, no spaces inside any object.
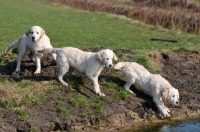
{"x":173,"y":95}
{"x":37,"y":32}
{"x":106,"y":58}
{"x":31,"y":32}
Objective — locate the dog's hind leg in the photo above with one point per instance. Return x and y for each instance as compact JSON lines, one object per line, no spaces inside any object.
{"x":127,"y":87}
{"x":63,"y":68}
{"x":130,"y":77}
{"x":62,"y":71}
{"x":21,"y":54}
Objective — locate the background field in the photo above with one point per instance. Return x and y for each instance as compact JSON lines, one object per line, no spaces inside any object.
{"x":70,"y":27}
{"x":172,"y":14}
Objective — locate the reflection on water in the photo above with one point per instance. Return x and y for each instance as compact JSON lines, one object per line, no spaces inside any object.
{"x":188,"y":126}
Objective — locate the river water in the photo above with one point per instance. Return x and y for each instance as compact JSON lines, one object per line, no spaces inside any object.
{"x":187,"y":126}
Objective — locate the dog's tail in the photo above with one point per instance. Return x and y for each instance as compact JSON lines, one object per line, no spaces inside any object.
{"x":120,"y":65}
{"x":15,"y":43}
{"x":49,"y":50}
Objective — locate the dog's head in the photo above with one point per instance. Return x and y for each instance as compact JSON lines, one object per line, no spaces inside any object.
{"x":106,"y":56}
{"x":172,"y":96}
{"x":35,"y":33}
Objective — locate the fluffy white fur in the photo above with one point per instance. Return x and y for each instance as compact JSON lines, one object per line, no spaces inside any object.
{"x":152,"y":84}
{"x":85,"y":62}
{"x":34,"y":39}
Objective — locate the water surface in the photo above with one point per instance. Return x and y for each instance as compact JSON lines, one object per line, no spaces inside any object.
{"x":187,"y":126}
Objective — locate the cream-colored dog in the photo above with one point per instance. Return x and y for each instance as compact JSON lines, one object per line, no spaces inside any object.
{"x":34,"y":39}
{"x":152,"y":84}
{"x":85,"y":62}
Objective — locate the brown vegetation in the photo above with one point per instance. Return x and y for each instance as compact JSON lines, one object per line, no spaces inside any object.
{"x":183,"y":15}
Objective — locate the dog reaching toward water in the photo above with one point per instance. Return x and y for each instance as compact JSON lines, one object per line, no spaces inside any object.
{"x":152,"y":84}
{"x":85,"y":62}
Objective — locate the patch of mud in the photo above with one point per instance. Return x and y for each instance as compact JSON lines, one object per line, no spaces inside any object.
{"x":181,"y":70}
{"x":28,"y":67}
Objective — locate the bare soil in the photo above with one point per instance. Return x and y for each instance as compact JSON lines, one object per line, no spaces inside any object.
{"x":181,"y":70}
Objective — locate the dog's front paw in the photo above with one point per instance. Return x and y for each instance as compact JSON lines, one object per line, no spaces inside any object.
{"x":65,"y":84}
{"x":99,"y":93}
{"x":37,"y":72}
{"x":17,"y":70}
{"x":167,"y":110}
{"x":166,"y":114}
{"x":131,"y":92}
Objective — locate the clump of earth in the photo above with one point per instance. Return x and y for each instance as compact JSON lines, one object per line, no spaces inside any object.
{"x":181,"y":70}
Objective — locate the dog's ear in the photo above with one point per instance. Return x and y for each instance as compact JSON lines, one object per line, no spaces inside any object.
{"x":114,"y":56}
{"x":100,"y":55}
{"x":166,"y":94}
{"x":27,"y":33}
{"x":42,"y":33}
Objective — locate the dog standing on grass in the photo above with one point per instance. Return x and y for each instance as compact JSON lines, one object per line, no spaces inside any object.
{"x":152,"y":84}
{"x":34,"y":39}
{"x":85,"y":62}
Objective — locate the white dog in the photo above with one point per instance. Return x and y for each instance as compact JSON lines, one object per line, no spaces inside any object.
{"x":151,"y":84}
{"x":34,"y":39}
{"x":85,"y":62}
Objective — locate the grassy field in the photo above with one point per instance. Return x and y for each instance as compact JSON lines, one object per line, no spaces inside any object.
{"x":172,"y":14}
{"x":82,"y":29}
{"x":70,"y":27}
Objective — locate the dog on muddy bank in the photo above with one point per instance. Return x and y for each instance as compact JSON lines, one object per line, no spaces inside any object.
{"x":34,"y":39}
{"x":85,"y":62}
{"x":152,"y":84}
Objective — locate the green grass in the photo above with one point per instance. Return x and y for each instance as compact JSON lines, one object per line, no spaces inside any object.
{"x":98,"y":107}
{"x":88,"y":107}
{"x":186,"y":50}
{"x":110,"y":85}
{"x":26,"y":93}
{"x":23,"y":114}
{"x":1,"y":114}
{"x":34,"y":129}
{"x":60,"y":101}
{"x":123,"y":95}
{"x":70,"y":27}
{"x":56,"y":120}
{"x":64,"y":112}
{"x":143,"y":61}
{"x":80,"y":101}
{"x":86,"y":114}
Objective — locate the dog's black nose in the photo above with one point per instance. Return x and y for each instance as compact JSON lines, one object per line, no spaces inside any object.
{"x":177,"y":102}
{"x":33,"y":38}
{"x":110,"y":65}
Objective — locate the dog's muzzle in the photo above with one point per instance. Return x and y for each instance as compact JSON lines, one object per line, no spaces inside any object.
{"x":109,"y":66}
{"x":33,"y":39}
